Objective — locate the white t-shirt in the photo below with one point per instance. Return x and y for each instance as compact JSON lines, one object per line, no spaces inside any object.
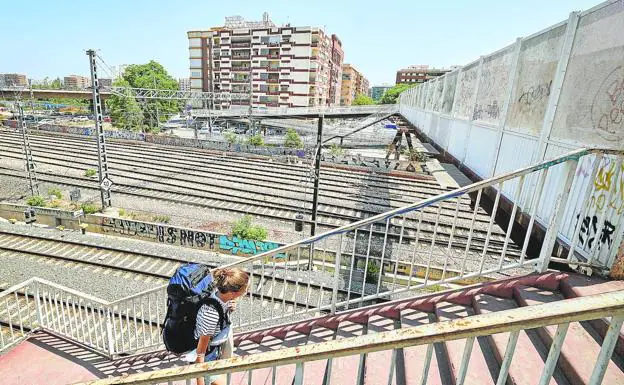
{"x":207,"y":323}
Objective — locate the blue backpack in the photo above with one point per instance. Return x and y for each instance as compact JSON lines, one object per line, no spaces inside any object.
{"x":190,"y":287}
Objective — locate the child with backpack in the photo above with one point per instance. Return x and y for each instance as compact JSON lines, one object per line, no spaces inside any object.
{"x":200,"y":302}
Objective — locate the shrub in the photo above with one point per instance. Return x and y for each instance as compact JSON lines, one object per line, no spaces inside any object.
{"x":122,"y":212}
{"x":336,"y":150}
{"x":36,"y":200}
{"x":256,"y":140}
{"x":244,"y":228}
{"x":372,"y":272}
{"x":56,"y":203}
{"x":231,"y":137}
{"x":415,"y":156}
{"x":90,"y":172}
{"x":55,"y":192}
{"x":89,"y":208}
{"x":161,"y":218}
{"x":292,"y":139}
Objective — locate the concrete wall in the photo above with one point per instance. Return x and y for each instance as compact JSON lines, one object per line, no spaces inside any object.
{"x":547,"y":94}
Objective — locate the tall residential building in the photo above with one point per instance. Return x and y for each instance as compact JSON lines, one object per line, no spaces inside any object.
{"x":105,"y":82}
{"x":378,"y":91}
{"x":418,"y":74}
{"x":13,"y":80}
{"x":284,"y":66}
{"x":184,"y":84}
{"x":353,"y":83}
{"x":76,"y":82}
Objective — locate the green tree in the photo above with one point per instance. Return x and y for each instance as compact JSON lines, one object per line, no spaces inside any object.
{"x":153,"y":75}
{"x":292,"y":139}
{"x":391,"y":95}
{"x":125,"y":111}
{"x":362,"y":100}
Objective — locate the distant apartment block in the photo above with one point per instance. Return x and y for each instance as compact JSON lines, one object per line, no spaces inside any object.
{"x":419,"y":74}
{"x":353,"y":83}
{"x":377,"y":92}
{"x":13,"y":80}
{"x":274,"y":66}
{"x":104,"y":82}
{"x":184,"y":84}
{"x":76,"y":82}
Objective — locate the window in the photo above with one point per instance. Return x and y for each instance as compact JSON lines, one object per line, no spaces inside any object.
{"x":196,"y":74}
{"x":196,"y":63}
{"x":195,"y":42}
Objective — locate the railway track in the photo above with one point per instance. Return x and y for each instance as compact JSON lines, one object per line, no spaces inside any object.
{"x":342,"y":194}
{"x":272,"y":283}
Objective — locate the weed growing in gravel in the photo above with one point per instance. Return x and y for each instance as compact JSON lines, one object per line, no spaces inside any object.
{"x":161,"y":219}
{"x":89,"y":208}
{"x":372,"y":272}
{"x":36,"y":200}
{"x":244,"y":228}
{"x":55,"y":192}
{"x":56,"y":203}
{"x":90,"y":172}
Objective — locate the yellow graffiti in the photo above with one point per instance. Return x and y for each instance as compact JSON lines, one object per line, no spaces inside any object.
{"x":603,"y":183}
{"x":604,"y":178}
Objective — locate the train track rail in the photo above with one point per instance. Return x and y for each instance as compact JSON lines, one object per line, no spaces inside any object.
{"x":331,"y":214}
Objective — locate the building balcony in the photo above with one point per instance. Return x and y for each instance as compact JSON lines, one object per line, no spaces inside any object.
{"x":273,"y":56}
{"x":241,"y":45}
{"x":272,"y":80}
{"x":240,"y":69}
{"x":241,"y":57}
{"x":240,"y":80}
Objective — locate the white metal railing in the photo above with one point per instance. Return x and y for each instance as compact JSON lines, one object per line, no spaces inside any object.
{"x":514,"y":321}
{"x":123,"y":326}
{"x":285,"y":111}
{"x":420,"y":247}
{"x":434,"y":243}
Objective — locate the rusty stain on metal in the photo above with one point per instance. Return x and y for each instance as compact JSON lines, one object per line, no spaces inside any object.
{"x":571,"y":310}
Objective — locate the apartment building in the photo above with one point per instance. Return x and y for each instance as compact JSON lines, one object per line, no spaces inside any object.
{"x":184,"y":84}
{"x":276,"y":66}
{"x":353,"y":83}
{"x":13,"y":80}
{"x":76,"y":82}
{"x":419,"y":74}
{"x":377,"y":92}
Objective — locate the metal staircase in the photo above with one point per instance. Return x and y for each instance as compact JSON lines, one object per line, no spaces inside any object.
{"x":444,"y":336}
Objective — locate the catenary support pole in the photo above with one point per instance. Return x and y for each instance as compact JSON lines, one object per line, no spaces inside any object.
{"x":317,"y":174}
{"x":105,"y":182}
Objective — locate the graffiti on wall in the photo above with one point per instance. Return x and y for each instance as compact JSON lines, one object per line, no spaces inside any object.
{"x":236,"y":246}
{"x":188,"y":238}
{"x":589,"y":237}
{"x":491,"y":111}
{"x":609,"y":187}
{"x":534,"y":95}
{"x":607,"y":110}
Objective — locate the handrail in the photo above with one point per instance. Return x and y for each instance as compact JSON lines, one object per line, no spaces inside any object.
{"x":560,"y":312}
{"x":573,"y":155}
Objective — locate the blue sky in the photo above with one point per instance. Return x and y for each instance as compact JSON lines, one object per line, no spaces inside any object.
{"x":48,"y":38}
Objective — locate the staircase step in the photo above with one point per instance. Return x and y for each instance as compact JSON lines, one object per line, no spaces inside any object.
{"x":414,"y":357}
{"x":581,"y":344}
{"x":350,"y":369}
{"x":314,"y":372}
{"x":577,"y":285}
{"x":482,"y":368}
{"x":378,"y":364}
{"x":530,"y":353}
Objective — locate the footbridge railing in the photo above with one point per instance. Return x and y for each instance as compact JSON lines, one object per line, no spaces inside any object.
{"x":513,"y":322}
{"x":430,"y":245}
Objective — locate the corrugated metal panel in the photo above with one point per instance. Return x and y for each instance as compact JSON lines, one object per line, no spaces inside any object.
{"x":444,"y":132}
{"x":481,"y":149}
{"x":515,"y":152}
{"x":457,"y":138}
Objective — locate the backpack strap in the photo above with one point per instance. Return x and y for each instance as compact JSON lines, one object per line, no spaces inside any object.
{"x":224,"y":319}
